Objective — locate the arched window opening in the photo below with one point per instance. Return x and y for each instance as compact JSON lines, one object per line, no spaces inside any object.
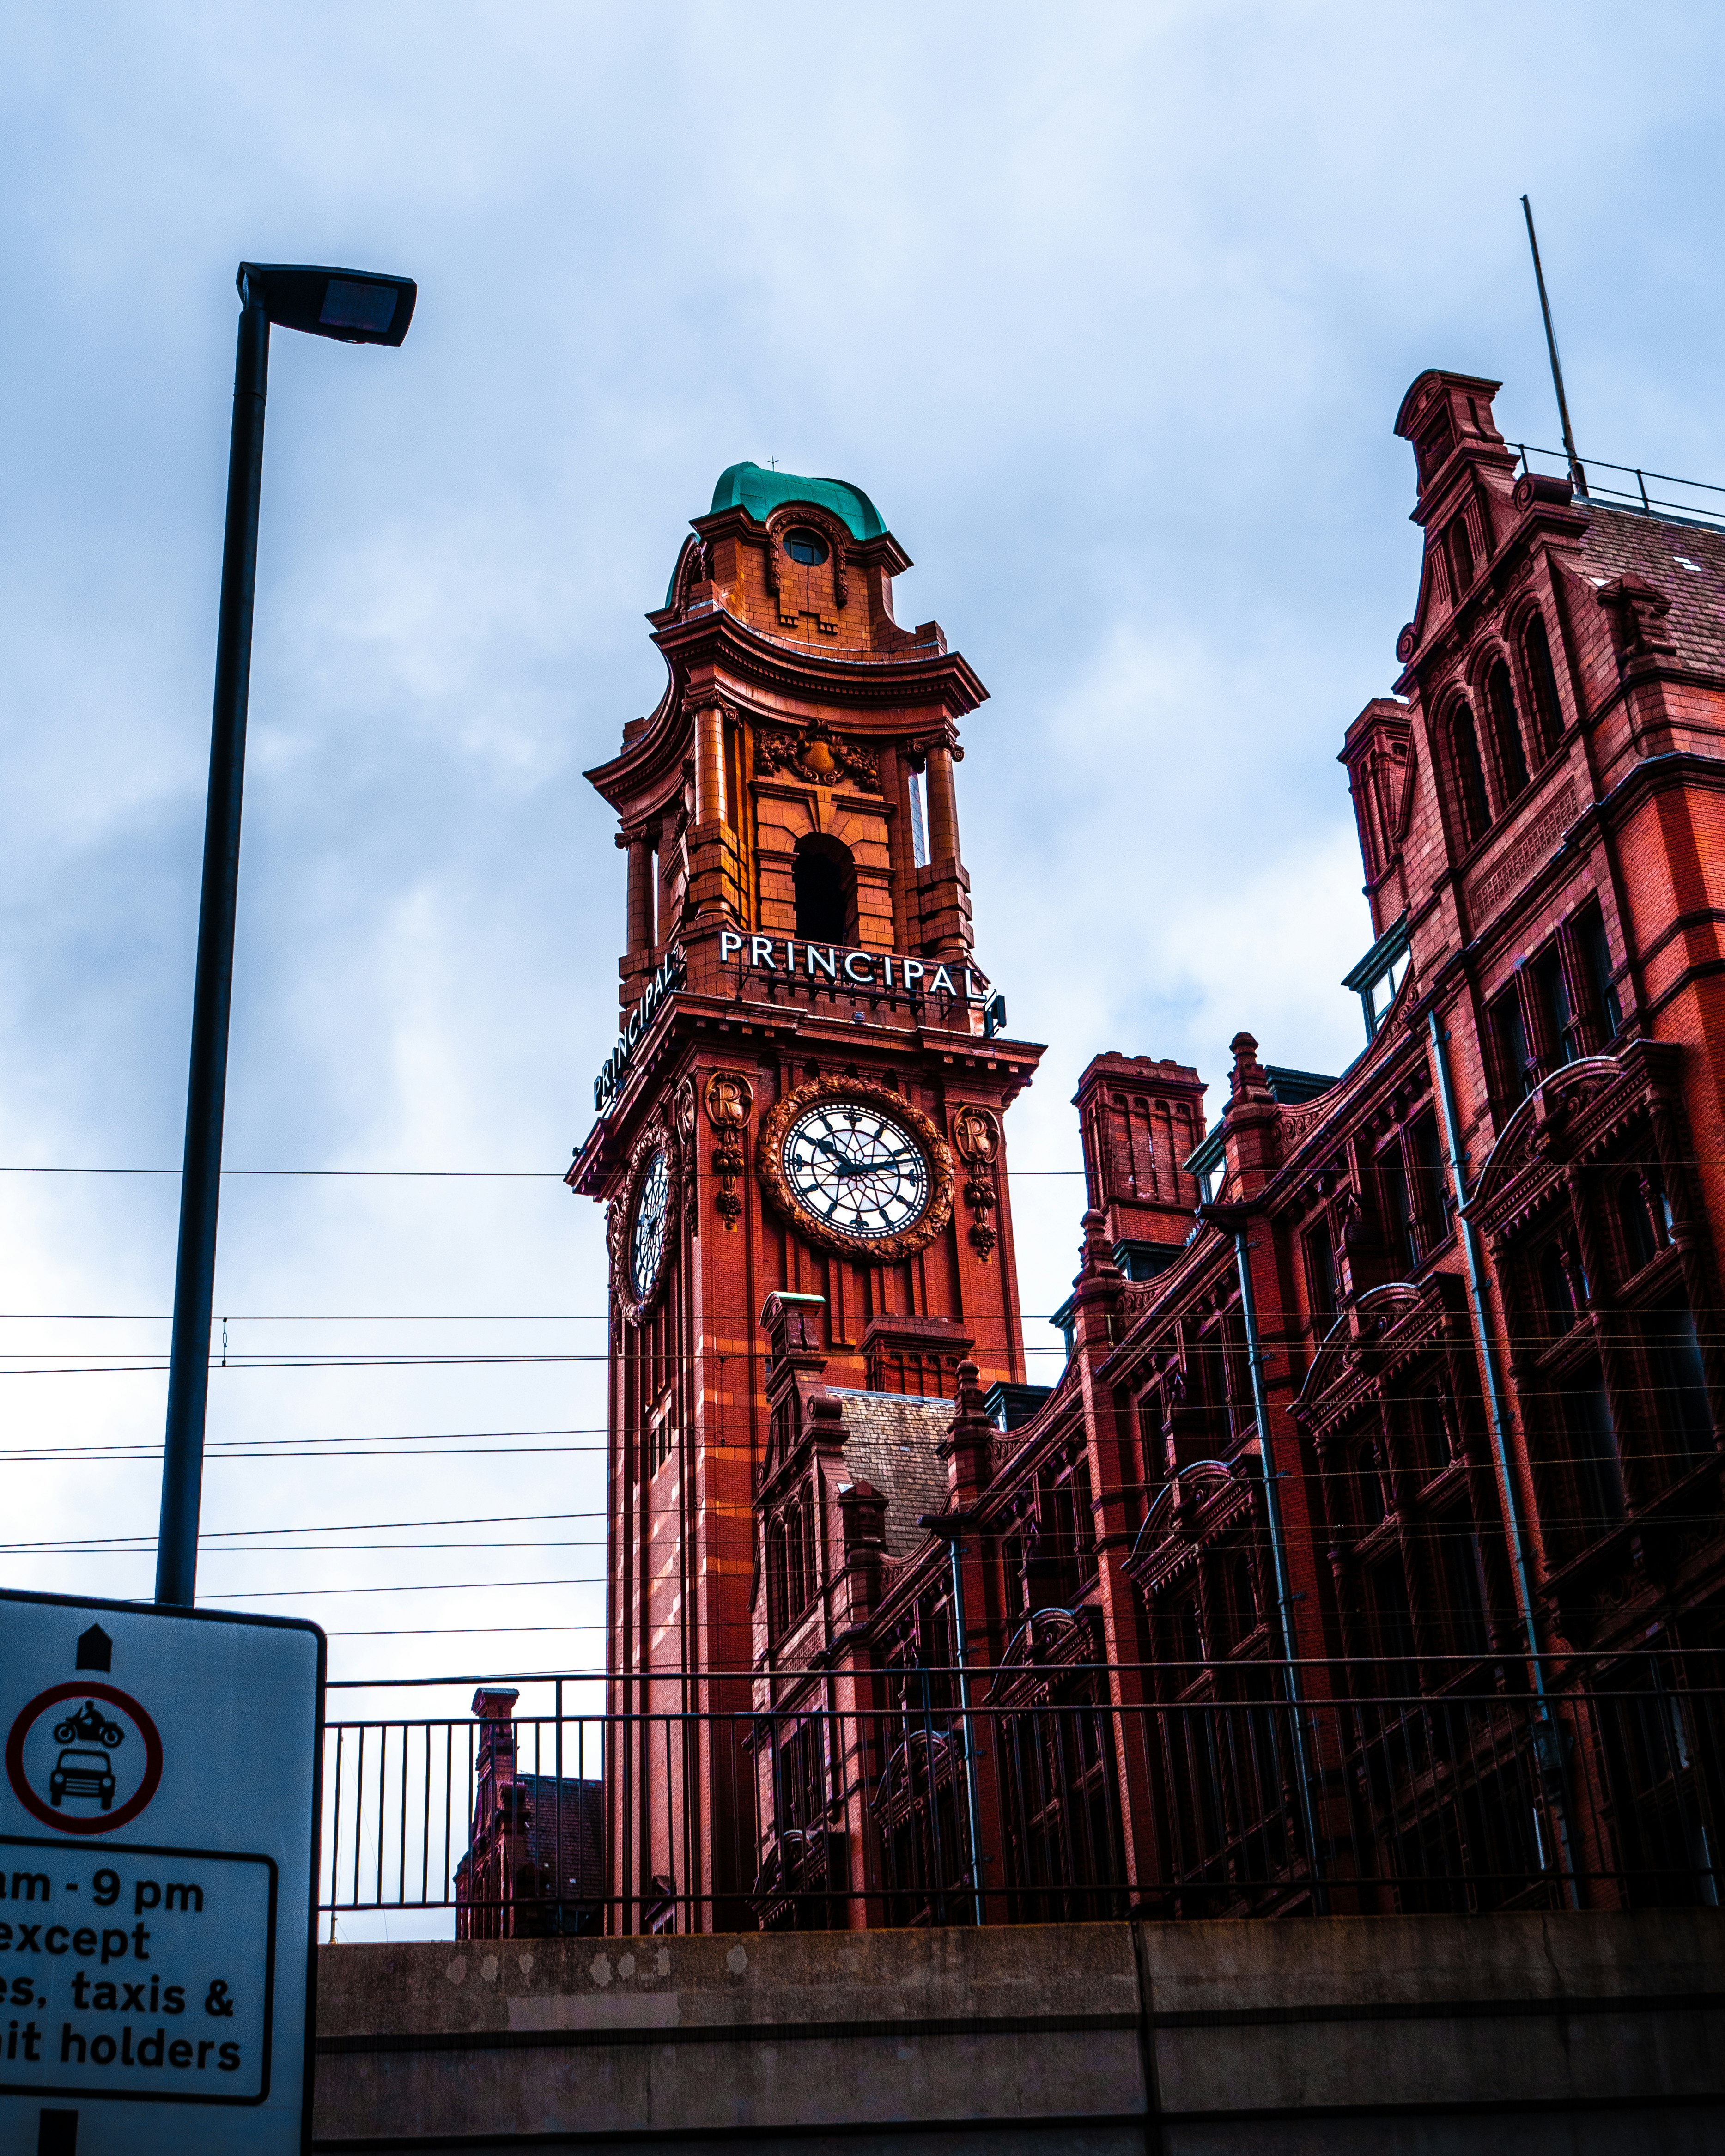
{"x":825,"y":877}
{"x":1543,"y":683}
{"x":1468,"y":772}
{"x":1507,"y":732}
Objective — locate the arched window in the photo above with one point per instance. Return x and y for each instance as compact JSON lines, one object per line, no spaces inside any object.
{"x":825,"y":880}
{"x":1543,"y":683}
{"x":1468,"y":771}
{"x":1507,"y":732}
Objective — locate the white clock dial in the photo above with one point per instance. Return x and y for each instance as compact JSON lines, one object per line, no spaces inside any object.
{"x":646,"y":1253}
{"x":857,"y":1170}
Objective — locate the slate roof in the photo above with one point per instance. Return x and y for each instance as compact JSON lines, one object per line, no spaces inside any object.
{"x":1620,"y":543}
{"x":889,"y":1440}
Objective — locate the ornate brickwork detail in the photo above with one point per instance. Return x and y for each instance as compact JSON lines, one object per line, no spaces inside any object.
{"x":874,"y":1249}
{"x":1532,"y":842}
{"x":976,"y":1139}
{"x":818,"y":757}
{"x":683,"y":1119}
{"x":832,"y":528}
{"x":729,"y":1100}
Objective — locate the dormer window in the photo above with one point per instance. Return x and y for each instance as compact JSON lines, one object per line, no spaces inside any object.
{"x":1379,"y":976}
{"x":806,"y":547}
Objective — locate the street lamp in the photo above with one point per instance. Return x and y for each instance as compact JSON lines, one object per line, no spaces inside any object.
{"x":354,"y":306}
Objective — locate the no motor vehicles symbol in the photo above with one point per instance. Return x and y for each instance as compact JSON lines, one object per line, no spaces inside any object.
{"x":82,"y":1771}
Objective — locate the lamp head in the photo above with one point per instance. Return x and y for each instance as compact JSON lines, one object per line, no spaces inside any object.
{"x":354,"y":306}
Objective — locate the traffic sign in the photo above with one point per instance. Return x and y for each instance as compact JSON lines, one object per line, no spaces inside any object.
{"x":158,"y":1868}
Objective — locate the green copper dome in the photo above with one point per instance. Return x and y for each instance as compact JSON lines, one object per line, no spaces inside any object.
{"x":747,"y":486}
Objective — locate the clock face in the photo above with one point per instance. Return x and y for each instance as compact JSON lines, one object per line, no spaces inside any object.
{"x":646,"y":1249}
{"x":856,"y":1169}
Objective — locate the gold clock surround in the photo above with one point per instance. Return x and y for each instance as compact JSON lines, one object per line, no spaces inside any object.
{"x":869,"y":1249}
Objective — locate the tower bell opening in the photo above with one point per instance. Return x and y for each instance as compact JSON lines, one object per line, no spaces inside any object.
{"x":825,"y":879}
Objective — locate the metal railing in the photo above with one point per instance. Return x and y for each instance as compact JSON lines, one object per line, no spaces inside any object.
{"x":1685,"y":507}
{"x":1474,"y":1796}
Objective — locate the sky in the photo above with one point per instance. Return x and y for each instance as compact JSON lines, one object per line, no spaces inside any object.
{"x":1109,"y":308}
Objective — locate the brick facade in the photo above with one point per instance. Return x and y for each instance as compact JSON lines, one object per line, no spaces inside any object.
{"x":1404,"y":1379}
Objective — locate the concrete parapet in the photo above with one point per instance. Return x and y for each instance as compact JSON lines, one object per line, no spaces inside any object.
{"x":1563,"y":2032}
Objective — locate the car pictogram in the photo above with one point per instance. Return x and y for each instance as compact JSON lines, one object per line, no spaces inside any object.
{"x":82,"y":1774}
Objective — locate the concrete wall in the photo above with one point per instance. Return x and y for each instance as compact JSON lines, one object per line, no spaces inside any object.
{"x":1553,"y":2033}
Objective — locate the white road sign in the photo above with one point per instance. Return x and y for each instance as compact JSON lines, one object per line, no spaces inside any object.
{"x":158,"y":1835}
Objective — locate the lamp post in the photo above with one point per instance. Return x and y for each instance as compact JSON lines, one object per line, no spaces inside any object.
{"x":354,"y":306}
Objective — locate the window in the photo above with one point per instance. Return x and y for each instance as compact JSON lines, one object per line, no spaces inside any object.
{"x":1431,"y":1196}
{"x":1392,"y":1622}
{"x":825,"y":877}
{"x":1679,"y":1382}
{"x":1556,"y":1289}
{"x":1430,"y":1426}
{"x":1543,"y":683}
{"x":1595,"y":954}
{"x":1511,"y":1037}
{"x":1599,"y":1463}
{"x":1469,"y":773}
{"x":1642,"y":1239}
{"x":1463,"y":1576}
{"x":1561,"y":1042}
{"x":919,"y":820}
{"x":1399,"y":1231}
{"x":1507,"y":732}
{"x":1321,"y":1274}
{"x":793,"y":1578}
{"x":806,"y":547}
{"x":1461,"y":556}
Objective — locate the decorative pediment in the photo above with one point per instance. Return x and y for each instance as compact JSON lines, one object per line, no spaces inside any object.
{"x":1562,"y":1119}
{"x":1200,"y":1503}
{"x":1386,"y":1327}
{"x":1047,"y":1644}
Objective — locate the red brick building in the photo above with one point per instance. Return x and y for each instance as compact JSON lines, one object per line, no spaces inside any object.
{"x":1369,"y":1547}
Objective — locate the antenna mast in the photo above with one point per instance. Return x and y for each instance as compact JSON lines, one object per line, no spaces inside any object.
{"x":1577,"y":473}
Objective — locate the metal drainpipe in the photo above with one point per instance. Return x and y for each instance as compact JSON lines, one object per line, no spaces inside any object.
{"x":964,"y":1662}
{"x":1550,"y":1767}
{"x":1261,"y":1407}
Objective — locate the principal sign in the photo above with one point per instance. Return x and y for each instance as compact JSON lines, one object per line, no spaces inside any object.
{"x":789,"y":957}
{"x":157,"y":1892}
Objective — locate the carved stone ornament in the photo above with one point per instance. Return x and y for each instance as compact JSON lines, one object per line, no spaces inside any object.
{"x":976,"y":1138}
{"x":803,"y":515}
{"x":819,"y":757}
{"x":871,"y":1250}
{"x":683,"y":1114}
{"x":642,"y":1227}
{"x":729,"y":1101}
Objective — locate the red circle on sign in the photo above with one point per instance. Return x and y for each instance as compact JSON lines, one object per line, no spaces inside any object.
{"x":27,"y":1720}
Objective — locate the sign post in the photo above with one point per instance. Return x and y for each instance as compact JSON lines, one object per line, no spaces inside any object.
{"x":158,"y":1881}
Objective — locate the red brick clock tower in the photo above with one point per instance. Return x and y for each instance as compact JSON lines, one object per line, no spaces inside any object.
{"x":806,"y":1099}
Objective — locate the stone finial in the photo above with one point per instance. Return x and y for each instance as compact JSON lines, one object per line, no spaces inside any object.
{"x":1095,"y":1255}
{"x":970,"y":1435}
{"x":1246,"y":1080}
